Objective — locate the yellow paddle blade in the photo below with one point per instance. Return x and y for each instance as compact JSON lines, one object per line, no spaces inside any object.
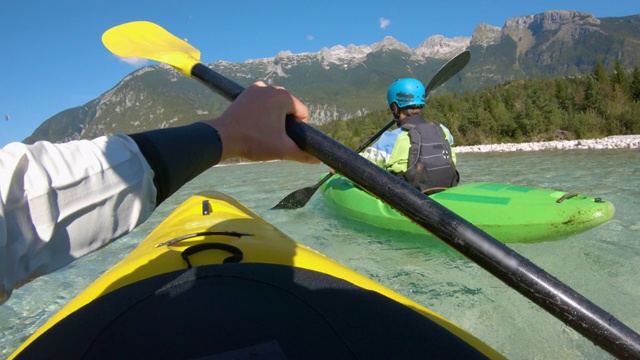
{"x":147,"y":40}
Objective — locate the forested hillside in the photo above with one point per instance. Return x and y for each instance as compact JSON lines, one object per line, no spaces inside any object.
{"x":606,"y":102}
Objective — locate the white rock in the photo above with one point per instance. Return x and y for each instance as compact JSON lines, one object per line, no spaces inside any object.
{"x":610,"y":142}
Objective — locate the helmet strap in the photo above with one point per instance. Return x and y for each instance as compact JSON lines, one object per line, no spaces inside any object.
{"x":395,"y":110}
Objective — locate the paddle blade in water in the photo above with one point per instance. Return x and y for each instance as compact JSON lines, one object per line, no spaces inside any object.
{"x":297,"y":199}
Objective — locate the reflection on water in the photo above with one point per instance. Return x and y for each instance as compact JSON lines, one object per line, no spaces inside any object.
{"x":601,"y":264}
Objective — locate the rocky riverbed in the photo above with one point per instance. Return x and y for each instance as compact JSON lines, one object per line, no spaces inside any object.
{"x":610,"y":142}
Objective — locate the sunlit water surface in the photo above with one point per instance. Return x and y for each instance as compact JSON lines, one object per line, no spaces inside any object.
{"x":602,"y":264}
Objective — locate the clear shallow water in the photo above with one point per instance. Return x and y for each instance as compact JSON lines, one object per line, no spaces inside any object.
{"x":601,"y":264}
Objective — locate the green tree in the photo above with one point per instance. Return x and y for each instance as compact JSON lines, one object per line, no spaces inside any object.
{"x":592,"y":98}
{"x":619,"y":81}
{"x":634,"y":87}
{"x":562,"y":96}
{"x":600,"y":73}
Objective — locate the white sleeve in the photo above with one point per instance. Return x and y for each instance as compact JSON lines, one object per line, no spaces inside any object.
{"x":61,"y":201}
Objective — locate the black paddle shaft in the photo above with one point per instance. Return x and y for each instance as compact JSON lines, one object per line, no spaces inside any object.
{"x":513,"y":269}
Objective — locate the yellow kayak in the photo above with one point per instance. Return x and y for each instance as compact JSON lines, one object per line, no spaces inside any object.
{"x":216,"y":281}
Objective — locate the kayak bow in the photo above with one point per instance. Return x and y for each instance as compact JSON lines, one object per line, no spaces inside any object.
{"x":215,"y":279}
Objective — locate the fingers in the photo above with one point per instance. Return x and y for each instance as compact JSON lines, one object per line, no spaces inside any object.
{"x":298,"y":109}
{"x":253,"y":126}
{"x":287,"y":104}
{"x":293,"y":105}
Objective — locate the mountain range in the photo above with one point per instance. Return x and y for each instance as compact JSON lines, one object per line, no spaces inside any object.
{"x":348,"y":81}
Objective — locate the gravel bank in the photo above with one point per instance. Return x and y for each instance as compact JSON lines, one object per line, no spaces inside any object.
{"x":610,"y":142}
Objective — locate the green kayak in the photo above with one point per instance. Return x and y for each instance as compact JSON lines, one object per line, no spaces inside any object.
{"x":510,"y":213}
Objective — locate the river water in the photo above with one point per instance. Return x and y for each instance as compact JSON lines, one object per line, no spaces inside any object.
{"x":602,"y":264}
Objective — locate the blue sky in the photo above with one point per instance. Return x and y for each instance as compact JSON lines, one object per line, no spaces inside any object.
{"x":53,"y":58}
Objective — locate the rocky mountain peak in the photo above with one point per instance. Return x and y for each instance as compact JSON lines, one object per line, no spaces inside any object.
{"x":485,"y":35}
{"x":284,"y":54}
{"x":389,"y":43}
{"x":552,"y":20}
{"x":559,"y":25}
{"x":438,"y":46}
{"x":340,"y":54}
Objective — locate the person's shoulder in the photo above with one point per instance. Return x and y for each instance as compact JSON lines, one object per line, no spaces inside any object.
{"x":394,"y":132}
{"x":387,"y":139}
{"x":447,"y":133}
{"x":391,"y":134}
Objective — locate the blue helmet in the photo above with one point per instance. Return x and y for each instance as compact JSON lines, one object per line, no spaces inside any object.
{"x":406,"y":93}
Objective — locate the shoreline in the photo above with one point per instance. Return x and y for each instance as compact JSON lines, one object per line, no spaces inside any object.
{"x":607,"y":143}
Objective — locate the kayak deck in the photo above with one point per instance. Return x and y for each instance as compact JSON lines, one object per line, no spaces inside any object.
{"x":214,"y":279}
{"x":509,"y":213}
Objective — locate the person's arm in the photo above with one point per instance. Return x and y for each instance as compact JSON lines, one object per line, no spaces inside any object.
{"x":252,"y":128}
{"x":449,"y":137}
{"x":380,"y":152}
{"x":61,"y":201}
{"x":177,"y":155}
{"x":375,"y":155}
{"x":399,"y":159}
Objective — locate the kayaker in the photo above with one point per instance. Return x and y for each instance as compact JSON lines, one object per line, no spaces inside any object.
{"x":419,"y":151}
{"x":61,"y":201}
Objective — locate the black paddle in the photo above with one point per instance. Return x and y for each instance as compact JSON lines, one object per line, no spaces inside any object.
{"x":148,"y":40}
{"x":301,"y":197}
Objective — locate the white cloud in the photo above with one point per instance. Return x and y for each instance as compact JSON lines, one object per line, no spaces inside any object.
{"x":135,"y":61}
{"x":309,"y":37}
{"x":384,"y":23}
